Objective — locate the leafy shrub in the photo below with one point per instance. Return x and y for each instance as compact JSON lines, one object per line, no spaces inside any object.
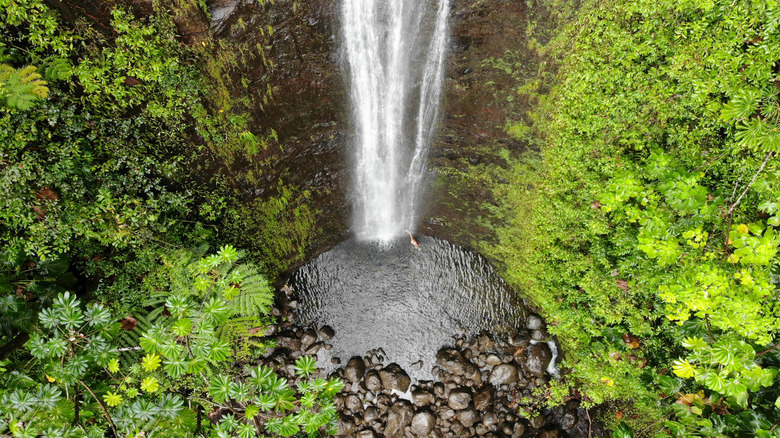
{"x":652,"y":237}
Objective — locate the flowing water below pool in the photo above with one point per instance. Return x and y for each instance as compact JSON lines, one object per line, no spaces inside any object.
{"x":410,"y":303}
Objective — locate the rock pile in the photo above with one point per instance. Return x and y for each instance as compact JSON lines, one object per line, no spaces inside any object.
{"x":484,"y":388}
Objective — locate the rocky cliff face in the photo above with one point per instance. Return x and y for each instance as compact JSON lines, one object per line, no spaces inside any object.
{"x":489,"y":59}
{"x":309,"y":108}
{"x":280,"y":63}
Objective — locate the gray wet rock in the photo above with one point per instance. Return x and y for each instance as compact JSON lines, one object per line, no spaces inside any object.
{"x":518,"y":430}
{"x":353,"y":403}
{"x":484,"y":397}
{"x":467,"y":417}
{"x":326,"y":333}
{"x":451,"y":360}
{"x":459,"y":399}
{"x":534,"y":322}
{"x":367,"y":433}
{"x":383,"y":402}
{"x":309,"y":338}
{"x":492,"y":360}
{"x":503,"y":374}
{"x":472,"y":373}
{"x":423,"y":424}
{"x":370,"y":414}
{"x":288,"y":340}
{"x":537,"y":359}
{"x":422,"y":398}
{"x":537,"y":422}
{"x":355,"y":370}
{"x":346,"y":425}
{"x":489,"y":419}
{"x":398,"y":417}
{"x":373,"y":382}
{"x":540,"y":335}
{"x":394,"y":378}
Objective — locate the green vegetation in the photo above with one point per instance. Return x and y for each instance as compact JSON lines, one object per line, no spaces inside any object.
{"x":646,"y":229}
{"x":111,"y":324}
{"x":185,"y":370}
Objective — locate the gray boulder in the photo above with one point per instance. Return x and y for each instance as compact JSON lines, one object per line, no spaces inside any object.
{"x":394,"y":377}
{"x":503,"y":374}
{"x":398,"y":417}
{"x":537,"y":359}
{"x":423,"y":424}
{"x":355,"y":370}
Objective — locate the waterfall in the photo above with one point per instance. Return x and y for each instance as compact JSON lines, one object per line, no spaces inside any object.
{"x":395,"y":52}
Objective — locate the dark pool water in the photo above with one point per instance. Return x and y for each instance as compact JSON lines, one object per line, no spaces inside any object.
{"x":408,"y":302}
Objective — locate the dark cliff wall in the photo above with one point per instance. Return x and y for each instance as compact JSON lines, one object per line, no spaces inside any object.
{"x":310,"y":114}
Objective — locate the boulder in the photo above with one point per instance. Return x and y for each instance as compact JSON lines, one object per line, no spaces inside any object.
{"x":483,"y":399}
{"x":503,"y":374}
{"x":288,"y":340}
{"x":346,"y":426}
{"x":459,"y":399}
{"x":326,"y":333}
{"x":353,"y":403}
{"x":355,"y":370}
{"x":423,"y":424}
{"x":421,"y":397}
{"x":489,"y":420}
{"x":467,"y":417}
{"x":534,"y":322}
{"x":537,"y":359}
{"x":540,"y":335}
{"x":394,"y":378}
{"x":309,"y":337}
{"x":370,"y":414}
{"x":451,"y":360}
{"x":373,"y":382}
{"x":569,"y":420}
{"x":493,"y":360}
{"x":398,"y":417}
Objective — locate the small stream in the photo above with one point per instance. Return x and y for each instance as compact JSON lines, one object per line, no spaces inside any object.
{"x":408,"y":302}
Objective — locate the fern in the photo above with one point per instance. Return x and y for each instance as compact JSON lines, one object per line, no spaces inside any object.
{"x":58,"y":69}
{"x":22,"y":87}
{"x":255,"y":296}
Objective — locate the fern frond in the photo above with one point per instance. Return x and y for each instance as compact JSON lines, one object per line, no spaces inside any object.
{"x":255,"y":295}
{"x":22,"y":87}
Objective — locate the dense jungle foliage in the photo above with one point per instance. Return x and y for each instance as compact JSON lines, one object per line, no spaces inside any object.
{"x":115,"y":317}
{"x":646,"y":229}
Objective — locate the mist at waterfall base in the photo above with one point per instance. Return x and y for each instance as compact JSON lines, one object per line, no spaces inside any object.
{"x":408,"y":302}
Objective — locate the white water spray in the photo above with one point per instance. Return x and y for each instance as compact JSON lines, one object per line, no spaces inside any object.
{"x":395,"y":54}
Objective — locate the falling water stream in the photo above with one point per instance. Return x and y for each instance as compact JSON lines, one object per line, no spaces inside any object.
{"x":395,"y":53}
{"x":376,"y":290}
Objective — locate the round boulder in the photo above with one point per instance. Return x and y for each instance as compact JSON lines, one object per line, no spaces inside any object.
{"x":503,"y":374}
{"x":534,"y":322}
{"x":398,"y":417}
{"x":467,"y":417}
{"x":423,"y":424}
{"x":394,"y":377}
{"x":355,"y":370}
{"x":451,"y":360}
{"x":537,"y":359}
{"x":422,"y":398}
{"x":459,"y":399}
{"x":483,"y":399}
{"x":373,"y":382}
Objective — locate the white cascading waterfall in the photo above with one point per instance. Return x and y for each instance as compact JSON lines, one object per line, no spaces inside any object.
{"x":395,"y":54}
